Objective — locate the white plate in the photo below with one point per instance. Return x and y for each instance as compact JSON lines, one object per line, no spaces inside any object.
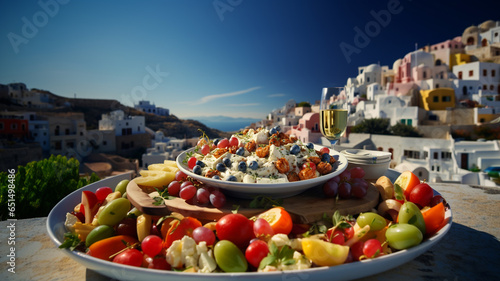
{"x":278,"y":190}
{"x":55,"y":229}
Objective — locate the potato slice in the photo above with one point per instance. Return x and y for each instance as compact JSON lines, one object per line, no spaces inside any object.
{"x":385,"y":187}
{"x":158,"y":179}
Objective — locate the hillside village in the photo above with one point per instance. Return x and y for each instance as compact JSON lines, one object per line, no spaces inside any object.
{"x":446,"y":91}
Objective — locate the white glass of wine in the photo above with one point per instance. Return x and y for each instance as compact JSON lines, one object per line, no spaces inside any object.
{"x":333,"y":113}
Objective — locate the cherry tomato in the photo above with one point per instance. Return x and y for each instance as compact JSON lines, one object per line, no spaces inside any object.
{"x":102,"y":192}
{"x":235,"y":228}
{"x":372,"y":248}
{"x":335,"y":236}
{"x":325,"y":150}
{"x":192,"y":162}
{"x":156,"y":263}
{"x":421,"y":195}
{"x":151,"y":245}
{"x":309,"y":165}
{"x":131,"y":257}
{"x":255,"y":252}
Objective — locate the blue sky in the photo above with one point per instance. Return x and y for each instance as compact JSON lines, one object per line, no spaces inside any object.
{"x":239,"y":58}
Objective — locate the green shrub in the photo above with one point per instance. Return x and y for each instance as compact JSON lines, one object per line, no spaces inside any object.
{"x":40,"y":185}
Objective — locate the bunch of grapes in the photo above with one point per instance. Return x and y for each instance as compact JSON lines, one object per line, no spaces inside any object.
{"x":349,"y":183}
{"x":189,"y":189}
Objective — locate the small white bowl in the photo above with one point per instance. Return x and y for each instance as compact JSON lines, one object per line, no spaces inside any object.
{"x":363,"y":154}
{"x":372,"y":171}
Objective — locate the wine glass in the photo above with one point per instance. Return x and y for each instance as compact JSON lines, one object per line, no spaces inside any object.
{"x":333,"y":113}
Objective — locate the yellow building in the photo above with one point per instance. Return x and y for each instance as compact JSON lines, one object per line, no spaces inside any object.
{"x":437,"y":99}
{"x":458,"y":59}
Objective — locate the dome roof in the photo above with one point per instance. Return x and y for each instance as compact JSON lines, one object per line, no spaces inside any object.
{"x":485,"y":26}
{"x":396,"y":65}
{"x":471,"y":29}
{"x":372,"y":68}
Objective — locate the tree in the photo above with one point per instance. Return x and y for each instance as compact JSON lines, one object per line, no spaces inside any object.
{"x":303,"y":104}
{"x":377,"y":126}
{"x":404,"y":130}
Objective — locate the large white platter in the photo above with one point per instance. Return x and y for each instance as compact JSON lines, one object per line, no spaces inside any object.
{"x":55,"y":229}
{"x":277,"y":190}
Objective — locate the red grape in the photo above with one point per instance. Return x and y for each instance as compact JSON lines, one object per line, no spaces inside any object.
{"x":202,"y":233}
{"x":358,"y":190}
{"x":217,"y":199}
{"x":202,"y":195}
{"x":357,"y":250}
{"x":345,"y":175}
{"x":357,"y":172}
{"x":261,"y":227}
{"x":173,"y":188}
{"x":223,"y":143}
{"x":181,"y":176}
{"x":151,"y":245}
{"x":184,"y":184}
{"x":330,"y":188}
{"x":205,"y":149}
{"x":336,"y":179}
{"x":234,"y":141}
{"x":345,"y":190}
{"x":187,"y":192}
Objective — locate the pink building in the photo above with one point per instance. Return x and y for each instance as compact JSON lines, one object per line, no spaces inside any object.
{"x":308,"y":128}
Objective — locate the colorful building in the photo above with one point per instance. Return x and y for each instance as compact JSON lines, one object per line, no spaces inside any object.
{"x":437,"y":99}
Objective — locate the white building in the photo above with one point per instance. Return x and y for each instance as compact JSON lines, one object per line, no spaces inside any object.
{"x":433,"y":159}
{"x":146,"y":106}
{"x":164,"y":148}
{"x":121,"y":124}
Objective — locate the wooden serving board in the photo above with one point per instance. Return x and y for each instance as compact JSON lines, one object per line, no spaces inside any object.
{"x":306,"y":207}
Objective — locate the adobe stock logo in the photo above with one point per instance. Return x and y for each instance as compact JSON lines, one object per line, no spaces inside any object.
{"x":40,"y":19}
{"x":372,"y":29}
{"x":223,"y":6}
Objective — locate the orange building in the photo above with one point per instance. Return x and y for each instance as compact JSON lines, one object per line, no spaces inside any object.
{"x":14,"y":128}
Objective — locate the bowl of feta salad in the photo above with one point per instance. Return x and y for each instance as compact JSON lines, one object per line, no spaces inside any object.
{"x":261,"y":162}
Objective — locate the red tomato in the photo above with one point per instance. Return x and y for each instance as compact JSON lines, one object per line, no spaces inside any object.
{"x":235,"y":228}
{"x":325,"y":150}
{"x":156,"y":263}
{"x":255,"y":252}
{"x":421,"y":195}
{"x":335,"y":236}
{"x":131,"y":257}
